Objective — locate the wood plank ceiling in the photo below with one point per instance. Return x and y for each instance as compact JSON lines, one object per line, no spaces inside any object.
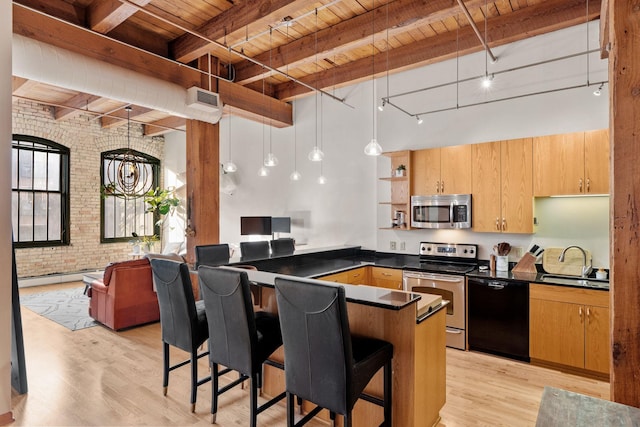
{"x":321,"y":44}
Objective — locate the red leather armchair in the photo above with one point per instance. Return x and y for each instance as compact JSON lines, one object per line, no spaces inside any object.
{"x":125,"y":296}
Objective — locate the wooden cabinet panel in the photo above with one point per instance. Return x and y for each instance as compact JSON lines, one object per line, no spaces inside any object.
{"x":597,"y":350}
{"x":486,"y":203}
{"x":597,"y":161}
{"x":558,"y":164}
{"x":516,"y":160}
{"x":342,"y":277}
{"x":390,"y":278}
{"x":570,"y":326}
{"x":556,"y":332}
{"x":455,"y":169}
{"x":502,"y":186}
{"x":426,"y":171}
{"x":359,"y":276}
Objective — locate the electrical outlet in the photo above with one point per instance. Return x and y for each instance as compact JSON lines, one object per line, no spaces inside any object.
{"x":392,"y":245}
{"x":403,"y":246}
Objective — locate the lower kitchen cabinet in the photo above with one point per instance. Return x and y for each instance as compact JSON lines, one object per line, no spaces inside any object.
{"x":386,"y":278}
{"x":570,"y":327}
{"x":357,"y":276}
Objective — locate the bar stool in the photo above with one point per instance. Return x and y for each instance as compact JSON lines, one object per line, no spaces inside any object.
{"x":238,"y":338}
{"x":182,"y":320}
{"x":324,"y":363}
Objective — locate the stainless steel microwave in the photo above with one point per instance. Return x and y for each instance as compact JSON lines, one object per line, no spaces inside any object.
{"x":441,"y":211}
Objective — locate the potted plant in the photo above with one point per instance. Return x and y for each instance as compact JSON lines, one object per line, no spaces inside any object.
{"x":162,"y":201}
{"x":148,"y":242}
{"x":401,"y":170}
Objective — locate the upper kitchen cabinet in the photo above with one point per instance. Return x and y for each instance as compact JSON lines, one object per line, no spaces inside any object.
{"x":400,"y":178}
{"x":571,"y":164}
{"x":502,"y":186}
{"x":445,"y":170}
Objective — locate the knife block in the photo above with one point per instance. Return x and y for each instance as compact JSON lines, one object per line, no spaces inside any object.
{"x":527,"y":264}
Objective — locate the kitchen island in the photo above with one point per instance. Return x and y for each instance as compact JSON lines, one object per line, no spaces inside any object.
{"x":418,"y":343}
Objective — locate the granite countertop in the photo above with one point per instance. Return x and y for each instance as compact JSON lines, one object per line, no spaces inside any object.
{"x":543,"y":278}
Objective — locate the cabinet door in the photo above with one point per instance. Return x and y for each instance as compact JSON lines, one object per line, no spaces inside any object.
{"x":425,"y":169}
{"x":597,"y":348}
{"x":597,"y":161}
{"x":358,"y":276}
{"x":342,"y":277}
{"x":455,"y":169}
{"x":558,"y":164}
{"x":485,"y":188}
{"x":556,"y":332}
{"x":516,"y":186}
{"x":386,"y":278}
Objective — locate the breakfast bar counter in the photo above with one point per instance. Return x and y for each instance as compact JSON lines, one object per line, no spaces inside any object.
{"x":419,"y":351}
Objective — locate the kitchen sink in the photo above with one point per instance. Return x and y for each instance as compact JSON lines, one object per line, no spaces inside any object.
{"x":575,"y":281}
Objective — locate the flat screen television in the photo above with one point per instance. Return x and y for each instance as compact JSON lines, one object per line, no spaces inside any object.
{"x":281,"y":224}
{"x":255,"y":225}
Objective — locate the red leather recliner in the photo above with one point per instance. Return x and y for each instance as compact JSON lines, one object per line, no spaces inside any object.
{"x":125,"y":296}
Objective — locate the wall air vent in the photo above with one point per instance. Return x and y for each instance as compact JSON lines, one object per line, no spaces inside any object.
{"x":203,"y":99}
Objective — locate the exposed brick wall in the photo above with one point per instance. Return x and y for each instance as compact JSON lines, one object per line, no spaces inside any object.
{"x":86,"y":140}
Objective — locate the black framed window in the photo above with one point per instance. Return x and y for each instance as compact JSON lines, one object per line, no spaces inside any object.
{"x":122,"y":216}
{"x":39,"y":192}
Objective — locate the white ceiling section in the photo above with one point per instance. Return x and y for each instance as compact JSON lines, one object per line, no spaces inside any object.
{"x":77,"y":72}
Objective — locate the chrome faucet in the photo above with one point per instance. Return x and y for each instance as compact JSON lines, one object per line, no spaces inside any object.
{"x":586,"y":269}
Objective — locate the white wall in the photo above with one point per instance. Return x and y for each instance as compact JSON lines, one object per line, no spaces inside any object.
{"x":345,"y":210}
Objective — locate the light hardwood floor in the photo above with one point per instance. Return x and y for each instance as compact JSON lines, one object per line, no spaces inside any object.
{"x":99,"y":377}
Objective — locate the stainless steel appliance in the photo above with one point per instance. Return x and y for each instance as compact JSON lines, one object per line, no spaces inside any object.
{"x":441,"y":272}
{"x":441,"y":211}
{"x":499,"y":317}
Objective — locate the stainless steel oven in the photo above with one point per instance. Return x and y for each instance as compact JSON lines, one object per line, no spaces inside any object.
{"x":450,"y":288}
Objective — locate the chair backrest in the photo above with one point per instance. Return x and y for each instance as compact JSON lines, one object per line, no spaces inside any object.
{"x":232,"y":329}
{"x":254,"y":250}
{"x":212,"y":255}
{"x":282,"y":246}
{"x":177,"y":305}
{"x":317,"y":342}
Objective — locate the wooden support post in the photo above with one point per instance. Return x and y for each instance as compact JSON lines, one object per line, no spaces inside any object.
{"x":624,"y":83}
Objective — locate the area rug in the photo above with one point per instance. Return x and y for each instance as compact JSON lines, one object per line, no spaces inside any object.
{"x":67,"y":307}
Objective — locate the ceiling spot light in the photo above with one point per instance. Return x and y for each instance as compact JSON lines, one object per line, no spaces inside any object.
{"x":381,"y":106}
{"x":598,"y":92}
{"x":419,"y":120}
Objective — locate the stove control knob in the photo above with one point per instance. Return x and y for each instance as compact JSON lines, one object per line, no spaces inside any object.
{"x":465,"y":251}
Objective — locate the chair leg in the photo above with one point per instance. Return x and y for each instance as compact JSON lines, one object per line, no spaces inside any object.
{"x":165,"y":370}
{"x":346,"y":420}
{"x":194,"y":378}
{"x":299,"y":400}
{"x":388,"y":386}
{"x":254,"y":381}
{"x":214,"y":392}
{"x":290,"y":410}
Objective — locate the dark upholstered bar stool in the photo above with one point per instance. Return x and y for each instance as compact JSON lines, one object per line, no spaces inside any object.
{"x":183,"y":321}
{"x":282,"y":246}
{"x":238,"y":338}
{"x":254,"y":250}
{"x":324,"y":364}
{"x":212,"y":255}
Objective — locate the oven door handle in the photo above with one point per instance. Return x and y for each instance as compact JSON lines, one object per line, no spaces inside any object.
{"x":438,"y":278}
{"x":451,"y":214}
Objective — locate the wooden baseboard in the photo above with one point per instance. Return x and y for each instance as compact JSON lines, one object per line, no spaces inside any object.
{"x":571,"y":370}
{"x":6,"y":418}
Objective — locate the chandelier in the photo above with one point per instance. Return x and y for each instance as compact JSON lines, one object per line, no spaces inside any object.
{"x":128,"y":175}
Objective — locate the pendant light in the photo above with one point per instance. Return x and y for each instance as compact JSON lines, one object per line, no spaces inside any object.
{"x":263,"y":171}
{"x":321,"y":178}
{"x":295,"y":175}
{"x":127,"y":175}
{"x":316,"y":154}
{"x":384,"y":100}
{"x":373,"y":148}
{"x":271,"y":160}
{"x":230,"y":167}
{"x":487,"y":80}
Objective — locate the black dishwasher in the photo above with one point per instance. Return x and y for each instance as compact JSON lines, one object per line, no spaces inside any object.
{"x":499,"y":317}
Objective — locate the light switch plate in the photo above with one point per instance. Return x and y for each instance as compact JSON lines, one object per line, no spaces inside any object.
{"x":392,"y":245}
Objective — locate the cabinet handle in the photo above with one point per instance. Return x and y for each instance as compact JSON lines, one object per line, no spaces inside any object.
{"x":588,"y":185}
{"x":498,"y":224}
{"x":588,"y":314}
{"x":438,"y":186}
{"x":580,"y":185}
{"x":386,"y":274}
{"x":580,"y":311}
{"x":504,"y":224}
{"x":442,"y":186}
{"x":356,"y":275}
{"x":400,"y":286}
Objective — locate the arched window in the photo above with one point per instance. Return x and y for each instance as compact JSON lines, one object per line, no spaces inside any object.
{"x":40,"y":192}
{"x":122,"y":216}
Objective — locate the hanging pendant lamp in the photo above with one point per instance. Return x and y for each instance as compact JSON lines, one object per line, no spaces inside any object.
{"x":373,"y":148}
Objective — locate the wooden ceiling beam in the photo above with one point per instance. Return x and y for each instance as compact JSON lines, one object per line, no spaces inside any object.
{"x":162,"y":126}
{"x":59,"y":8}
{"x":75,"y":39}
{"x":353,"y":33}
{"x":542,"y":18}
{"x":79,"y":101}
{"x":117,"y":118}
{"x":257,"y":13}
{"x":104,"y":15}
